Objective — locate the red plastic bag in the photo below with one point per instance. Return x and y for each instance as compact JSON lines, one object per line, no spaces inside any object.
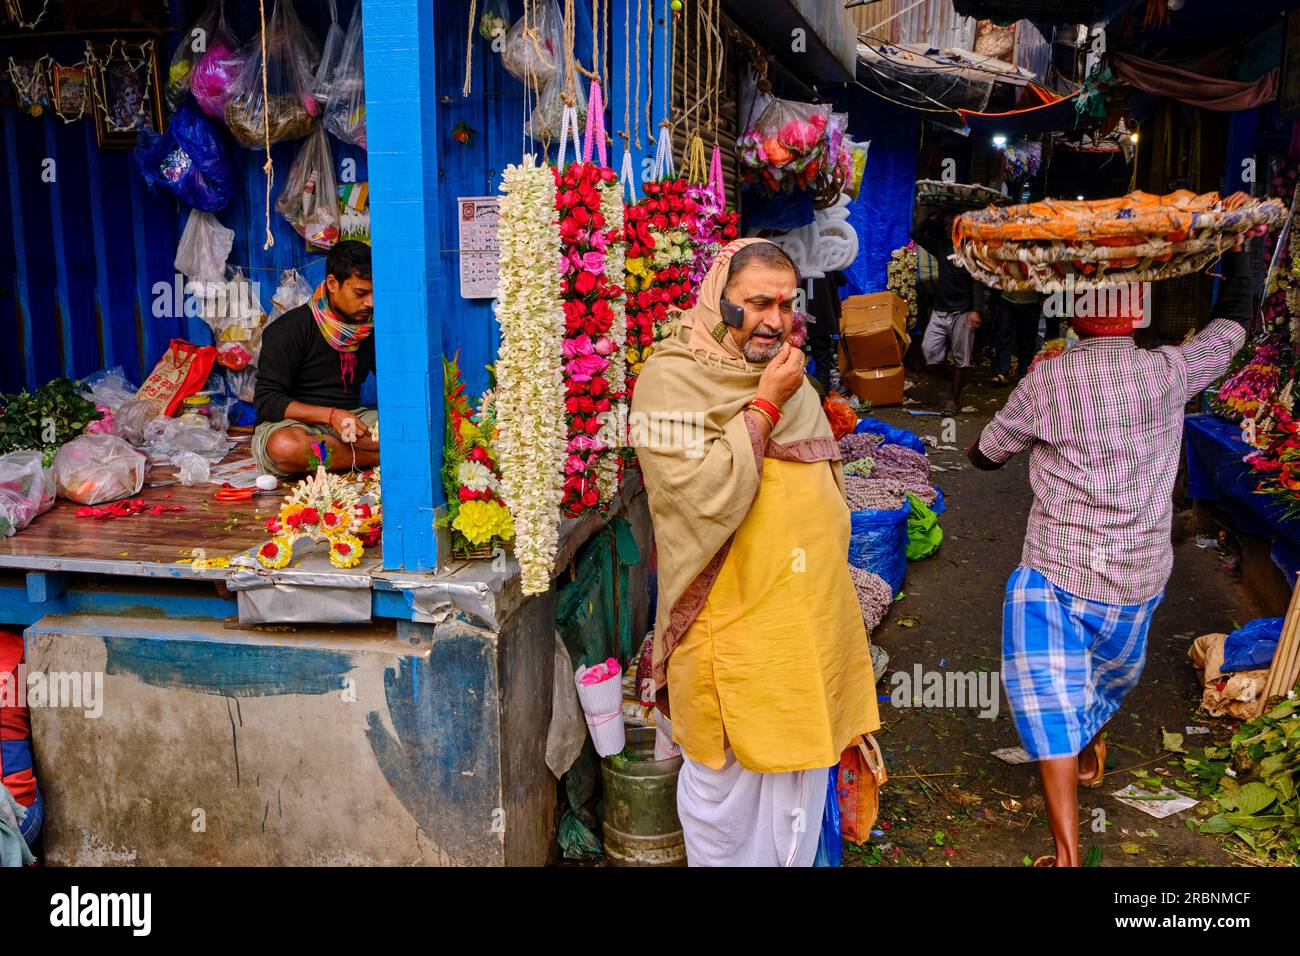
{"x":179,"y":373}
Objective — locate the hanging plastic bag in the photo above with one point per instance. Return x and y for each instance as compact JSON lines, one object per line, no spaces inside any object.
{"x":533,"y":51}
{"x":548,"y":116}
{"x":238,"y":315}
{"x":189,"y":159}
{"x":276,"y":101}
{"x":204,"y":247}
{"x":494,"y":23}
{"x":212,"y":81}
{"x":186,"y":56}
{"x":292,"y":292}
{"x":96,"y":468}
{"x":310,"y":198}
{"x":785,"y":149}
{"x":329,"y":56}
{"x":345,"y":116}
{"x":26,"y":490}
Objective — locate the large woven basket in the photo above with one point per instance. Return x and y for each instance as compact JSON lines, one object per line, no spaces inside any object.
{"x":1135,"y":238}
{"x":945,"y":195}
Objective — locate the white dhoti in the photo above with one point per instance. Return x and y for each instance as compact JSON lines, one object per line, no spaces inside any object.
{"x":736,"y":817}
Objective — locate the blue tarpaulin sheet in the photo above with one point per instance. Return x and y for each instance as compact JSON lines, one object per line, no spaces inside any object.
{"x":1216,"y":472}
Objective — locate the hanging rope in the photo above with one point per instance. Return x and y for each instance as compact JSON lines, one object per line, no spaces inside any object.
{"x":269,"y":167}
{"x":627,"y":72}
{"x":649,"y":69}
{"x":469,"y":47}
{"x":636,"y":123}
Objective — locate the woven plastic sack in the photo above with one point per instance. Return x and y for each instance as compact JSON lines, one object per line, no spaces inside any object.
{"x":533,"y":51}
{"x":212,"y":81}
{"x":310,"y":198}
{"x":345,"y":114}
{"x":279,"y":105}
{"x":330,"y":54}
{"x":26,"y":490}
{"x":193,"y":44}
{"x":188,"y":159}
{"x":97,"y":468}
{"x":878,"y":543}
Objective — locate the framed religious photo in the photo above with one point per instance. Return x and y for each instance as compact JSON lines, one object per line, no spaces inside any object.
{"x":31,"y":85}
{"x":127,"y":93}
{"x":71,"y":93}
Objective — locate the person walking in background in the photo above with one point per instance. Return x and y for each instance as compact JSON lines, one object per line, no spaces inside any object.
{"x":958,"y":302}
{"x":1016,"y":329}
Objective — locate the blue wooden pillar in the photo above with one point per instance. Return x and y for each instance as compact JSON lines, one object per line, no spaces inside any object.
{"x":410,"y":284}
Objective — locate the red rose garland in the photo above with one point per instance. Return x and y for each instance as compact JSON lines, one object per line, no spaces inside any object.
{"x":672,"y":237}
{"x":589,"y":347}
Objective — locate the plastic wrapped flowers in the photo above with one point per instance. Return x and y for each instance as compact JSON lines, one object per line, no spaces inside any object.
{"x":786,"y":148}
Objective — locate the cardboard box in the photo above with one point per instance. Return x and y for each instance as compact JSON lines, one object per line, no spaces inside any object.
{"x":879,"y":386}
{"x":873,"y":330}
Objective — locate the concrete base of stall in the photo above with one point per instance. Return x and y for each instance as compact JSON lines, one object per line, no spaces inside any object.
{"x":394,"y":743}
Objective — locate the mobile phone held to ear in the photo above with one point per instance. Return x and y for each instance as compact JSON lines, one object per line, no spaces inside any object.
{"x":732,"y":314}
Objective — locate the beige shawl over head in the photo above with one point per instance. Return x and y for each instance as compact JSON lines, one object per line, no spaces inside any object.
{"x":702,"y":459}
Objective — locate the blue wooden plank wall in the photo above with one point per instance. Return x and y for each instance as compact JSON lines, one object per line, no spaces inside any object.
{"x":79,"y":256}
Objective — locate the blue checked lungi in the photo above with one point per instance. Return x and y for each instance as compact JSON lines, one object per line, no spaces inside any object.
{"x":1067,"y":662}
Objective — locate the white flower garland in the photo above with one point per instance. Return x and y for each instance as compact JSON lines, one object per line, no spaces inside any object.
{"x":609,"y":469}
{"x":530,"y":369}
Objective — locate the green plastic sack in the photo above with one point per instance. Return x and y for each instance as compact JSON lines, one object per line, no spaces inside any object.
{"x":923,"y":532}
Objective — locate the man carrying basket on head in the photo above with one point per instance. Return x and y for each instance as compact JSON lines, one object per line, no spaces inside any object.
{"x":1103,"y":424}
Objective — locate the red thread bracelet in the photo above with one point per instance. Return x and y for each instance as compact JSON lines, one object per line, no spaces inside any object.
{"x":766,"y":406}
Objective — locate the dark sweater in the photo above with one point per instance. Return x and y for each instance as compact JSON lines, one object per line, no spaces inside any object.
{"x":298,"y":365}
{"x":956,"y":291}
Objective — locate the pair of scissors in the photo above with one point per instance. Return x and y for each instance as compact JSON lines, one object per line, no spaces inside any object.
{"x":229,"y":494}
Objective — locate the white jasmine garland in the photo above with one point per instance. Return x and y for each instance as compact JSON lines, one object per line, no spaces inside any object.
{"x":608,"y":469}
{"x":530,"y":369}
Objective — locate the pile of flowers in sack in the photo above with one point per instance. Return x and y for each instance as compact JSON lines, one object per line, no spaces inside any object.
{"x":879,"y":476}
{"x":590,"y":205}
{"x":673,"y":235}
{"x":476,"y":514}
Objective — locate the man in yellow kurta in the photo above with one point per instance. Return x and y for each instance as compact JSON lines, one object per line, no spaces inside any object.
{"x":761,"y":659}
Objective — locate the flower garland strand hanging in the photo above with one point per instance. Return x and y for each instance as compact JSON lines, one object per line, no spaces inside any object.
{"x":589,"y":203}
{"x":530,"y":368}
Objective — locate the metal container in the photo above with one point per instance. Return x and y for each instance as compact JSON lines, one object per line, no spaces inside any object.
{"x":641,"y":825}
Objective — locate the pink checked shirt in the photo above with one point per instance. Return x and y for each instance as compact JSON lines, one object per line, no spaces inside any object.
{"x":1104,"y":425}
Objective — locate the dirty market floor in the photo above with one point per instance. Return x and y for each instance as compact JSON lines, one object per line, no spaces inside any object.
{"x":948,"y":801}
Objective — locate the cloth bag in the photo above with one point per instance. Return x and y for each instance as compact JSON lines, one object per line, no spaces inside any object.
{"x":96,"y":468}
{"x":179,"y":373}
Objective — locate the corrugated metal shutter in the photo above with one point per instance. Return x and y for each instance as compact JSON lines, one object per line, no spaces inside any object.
{"x":728,"y":125}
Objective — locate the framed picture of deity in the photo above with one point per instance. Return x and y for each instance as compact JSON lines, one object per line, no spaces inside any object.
{"x":127,"y":93}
